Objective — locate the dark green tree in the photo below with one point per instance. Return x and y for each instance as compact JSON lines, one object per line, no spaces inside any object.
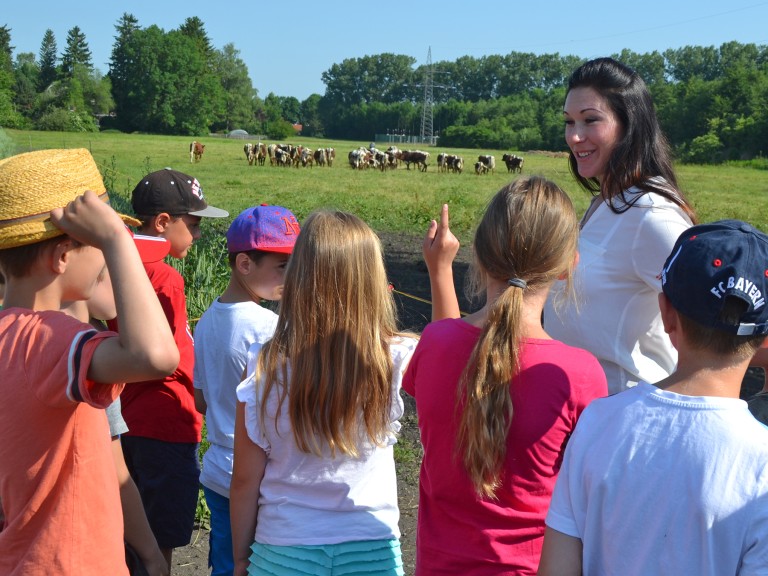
{"x":27,"y":73}
{"x":195,"y":29}
{"x":77,"y":53}
{"x":310,"y":116}
{"x":47,"y":61}
{"x":383,"y":78}
{"x":121,"y":62}
{"x":8,"y":114}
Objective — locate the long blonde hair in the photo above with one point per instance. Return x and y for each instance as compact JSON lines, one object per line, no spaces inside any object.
{"x":529,"y":231}
{"x":336,"y":320}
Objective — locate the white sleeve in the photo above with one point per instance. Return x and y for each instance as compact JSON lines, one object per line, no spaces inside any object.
{"x":249,"y":394}
{"x":657,"y":233}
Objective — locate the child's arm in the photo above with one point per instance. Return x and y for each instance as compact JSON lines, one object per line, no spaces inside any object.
{"x":249,"y":464}
{"x":144,"y":348}
{"x":561,"y":555}
{"x":200,"y":404}
{"x":136,"y":526}
{"x":440,"y":247}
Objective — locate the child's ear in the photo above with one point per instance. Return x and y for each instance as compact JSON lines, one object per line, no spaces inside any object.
{"x":160,"y":222}
{"x":59,"y":255}
{"x":670,"y":318}
{"x":243,"y":263}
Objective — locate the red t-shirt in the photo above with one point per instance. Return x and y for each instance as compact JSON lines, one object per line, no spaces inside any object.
{"x":459,"y":533}
{"x":58,"y":483}
{"x":165,"y":409}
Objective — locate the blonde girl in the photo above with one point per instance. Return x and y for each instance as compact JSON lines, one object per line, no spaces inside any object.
{"x":314,"y":486}
{"x":496,"y":397}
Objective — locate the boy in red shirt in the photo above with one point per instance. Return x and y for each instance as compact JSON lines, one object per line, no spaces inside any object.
{"x":164,"y":426}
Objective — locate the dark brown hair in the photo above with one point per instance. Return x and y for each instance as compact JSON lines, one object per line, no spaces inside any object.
{"x":643,"y":154}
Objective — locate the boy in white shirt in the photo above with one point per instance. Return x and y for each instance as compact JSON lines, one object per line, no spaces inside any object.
{"x":259,"y":242}
{"x":673,"y":478}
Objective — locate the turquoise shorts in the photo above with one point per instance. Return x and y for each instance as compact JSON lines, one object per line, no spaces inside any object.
{"x":369,"y":558}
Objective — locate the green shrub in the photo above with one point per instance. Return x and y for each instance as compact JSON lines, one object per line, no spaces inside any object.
{"x":60,"y":120}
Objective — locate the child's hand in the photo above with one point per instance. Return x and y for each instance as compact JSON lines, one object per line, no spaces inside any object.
{"x":88,"y":220}
{"x":440,"y":246}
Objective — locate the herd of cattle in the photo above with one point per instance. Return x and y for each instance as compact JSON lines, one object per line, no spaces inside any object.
{"x":361,"y":158}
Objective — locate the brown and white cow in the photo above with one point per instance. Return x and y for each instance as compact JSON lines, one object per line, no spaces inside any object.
{"x":415,"y":157}
{"x":514,"y":163}
{"x":260,"y":151}
{"x":196,"y":151}
{"x":480,"y":168}
{"x":330,"y":156}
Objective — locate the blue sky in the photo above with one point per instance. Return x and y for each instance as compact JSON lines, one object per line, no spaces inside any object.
{"x":288,"y":45}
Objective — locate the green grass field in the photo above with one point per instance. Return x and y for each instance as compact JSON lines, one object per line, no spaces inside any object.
{"x":397,"y":200}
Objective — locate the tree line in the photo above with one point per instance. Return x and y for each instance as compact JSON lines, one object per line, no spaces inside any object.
{"x":712,"y":101}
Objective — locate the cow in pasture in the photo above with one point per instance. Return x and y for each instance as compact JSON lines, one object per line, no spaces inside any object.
{"x":454,"y":163}
{"x":330,"y":156}
{"x":282,"y":157}
{"x":381,"y":159}
{"x":196,"y":151}
{"x":359,"y":158}
{"x":441,"y":167}
{"x":480,"y":168}
{"x":415,"y":157}
{"x":393,"y":153}
{"x":319,"y":156}
{"x":307,"y":157}
{"x":271,"y":149}
{"x":514,"y":163}
{"x":489,"y":161}
{"x":260,"y":151}
{"x":248,"y":149}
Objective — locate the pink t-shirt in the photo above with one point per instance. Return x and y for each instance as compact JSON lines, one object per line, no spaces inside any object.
{"x":459,"y":533}
{"x":58,"y":484}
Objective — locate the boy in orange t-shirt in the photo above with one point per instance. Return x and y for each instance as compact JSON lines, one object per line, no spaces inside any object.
{"x":58,"y":482}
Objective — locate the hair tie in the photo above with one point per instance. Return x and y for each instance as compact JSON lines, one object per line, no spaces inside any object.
{"x":518,"y":282}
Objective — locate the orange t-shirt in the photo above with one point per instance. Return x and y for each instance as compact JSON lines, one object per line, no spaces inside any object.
{"x":58,"y":484}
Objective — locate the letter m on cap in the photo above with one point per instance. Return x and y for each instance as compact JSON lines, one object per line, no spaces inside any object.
{"x":291,"y":225}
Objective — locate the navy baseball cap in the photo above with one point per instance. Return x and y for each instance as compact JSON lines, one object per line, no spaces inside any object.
{"x":265,"y":228}
{"x":173,"y":192}
{"x":715,"y":260}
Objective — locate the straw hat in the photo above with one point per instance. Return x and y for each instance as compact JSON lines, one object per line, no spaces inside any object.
{"x":33,"y":184}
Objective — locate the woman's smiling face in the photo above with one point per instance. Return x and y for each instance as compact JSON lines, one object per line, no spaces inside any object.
{"x":592,"y":130}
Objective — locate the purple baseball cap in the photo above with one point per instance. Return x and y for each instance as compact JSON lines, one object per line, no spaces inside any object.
{"x":265,"y":228}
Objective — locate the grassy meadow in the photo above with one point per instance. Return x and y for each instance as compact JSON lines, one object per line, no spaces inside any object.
{"x":393,"y":201}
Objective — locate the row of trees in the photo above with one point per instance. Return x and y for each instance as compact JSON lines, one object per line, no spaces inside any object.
{"x":713,"y":102}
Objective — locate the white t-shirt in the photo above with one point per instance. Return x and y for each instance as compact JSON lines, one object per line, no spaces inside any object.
{"x":655,"y":482}
{"x":222,"y":338}
{"x":615,"y":313}
{"x":309,"y":500}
